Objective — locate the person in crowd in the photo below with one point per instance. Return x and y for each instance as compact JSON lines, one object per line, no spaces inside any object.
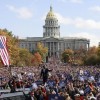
{"x":64,"y":83}
{"x":44,"y":74}
{"x":12,"y":85}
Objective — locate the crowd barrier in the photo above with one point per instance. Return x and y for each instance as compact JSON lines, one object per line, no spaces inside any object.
{"x":6,"y":93}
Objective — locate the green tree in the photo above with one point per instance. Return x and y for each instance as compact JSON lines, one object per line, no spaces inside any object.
{"x":25,"y":58}
{"x":92,"y":57}
{"x":67,"y":55}
{"x":91,"y":60}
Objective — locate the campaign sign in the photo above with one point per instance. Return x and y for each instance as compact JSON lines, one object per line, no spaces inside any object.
{"x":98,"y":83}
{"x":39,"y":82}
{"x":87,"y":90}
{"x":51,"y":83}
{"x":55,"y":97}
{"x":69,"y":77}
{"x":81,"y":78}
{"x":62,"y":83}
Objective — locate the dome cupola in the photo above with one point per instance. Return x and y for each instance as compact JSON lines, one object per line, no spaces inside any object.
{"x":51,"y":14}
{"x":51,"y":27}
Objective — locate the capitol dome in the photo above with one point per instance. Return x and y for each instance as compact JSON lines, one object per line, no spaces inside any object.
{"x":51,"y":14}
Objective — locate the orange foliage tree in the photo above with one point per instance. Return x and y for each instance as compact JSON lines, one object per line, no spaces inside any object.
{"x":12,"y":45}
{"x":43,"y":51}
{"x":37,"y":59}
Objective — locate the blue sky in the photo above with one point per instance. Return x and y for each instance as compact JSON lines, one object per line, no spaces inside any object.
{"x":77,"y":18}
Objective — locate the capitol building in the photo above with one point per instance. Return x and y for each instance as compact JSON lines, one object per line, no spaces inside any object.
{"x":52,"y":40}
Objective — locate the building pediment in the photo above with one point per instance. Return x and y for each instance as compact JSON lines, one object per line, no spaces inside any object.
{"x":51,"y":39}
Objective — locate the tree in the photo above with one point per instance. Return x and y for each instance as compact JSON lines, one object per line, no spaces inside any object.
{"x":17,"y":56}
{"x":92,"y":50}
{"x":25,"y":57}
{"x":92,"y":57}
{"x":91,"y":60}
{"x":67,"y":55}
{"x":33,"y":51}
{"x":12,"y":44}
{"x":43,"y":51}
{"x":37,"y":59}
{"x":98,"y":51}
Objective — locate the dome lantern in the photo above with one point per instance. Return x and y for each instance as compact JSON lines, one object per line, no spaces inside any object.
{"x":51,"y":14}
{"x":50,"y":8}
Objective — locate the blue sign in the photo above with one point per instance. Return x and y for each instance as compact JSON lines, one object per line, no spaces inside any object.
{"x":51,"y":83}
{"x":98,"y":83}
{"x":55,"y":97}
{"x":87,"y":90}
{"x":62,"y":83}
{"x":39,"y":82}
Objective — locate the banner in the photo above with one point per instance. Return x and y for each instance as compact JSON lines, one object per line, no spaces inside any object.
{"x":3,"y":51}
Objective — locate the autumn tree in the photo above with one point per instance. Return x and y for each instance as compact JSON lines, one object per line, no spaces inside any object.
{"x":25,"y":57}
{"x":93,"y":56}
{"x":17,"y":56}
{"x":67,"y":55}
{"x":12,"y":44}
{"x":92,"y":50}
{"x":37,"y":59}
{"x":43,"y":51}
{"x":98,"y":51}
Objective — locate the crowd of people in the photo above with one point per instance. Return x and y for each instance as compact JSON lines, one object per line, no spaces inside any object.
{"x":54,"y":81}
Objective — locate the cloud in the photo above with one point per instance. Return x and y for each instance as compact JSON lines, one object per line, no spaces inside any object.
{"x":72,"y":1}
{"x":79,"y":22}
{"x":94,"y":40}
{"x":76,"y":1}
{"x":60,"y":18}
{"x":87,"y":24}
{"x":63,"y":20}
{"x":22,"y":12}
{"x":95,"y":8}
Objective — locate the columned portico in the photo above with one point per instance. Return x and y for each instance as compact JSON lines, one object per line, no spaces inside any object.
{"x":53,"y":48}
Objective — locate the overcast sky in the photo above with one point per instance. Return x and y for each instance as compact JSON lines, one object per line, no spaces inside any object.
{"x":77,"y":18}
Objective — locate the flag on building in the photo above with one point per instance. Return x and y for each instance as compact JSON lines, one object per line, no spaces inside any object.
{"x":3,"y":51}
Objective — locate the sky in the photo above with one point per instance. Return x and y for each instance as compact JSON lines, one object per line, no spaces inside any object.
{"x":77,"y":18}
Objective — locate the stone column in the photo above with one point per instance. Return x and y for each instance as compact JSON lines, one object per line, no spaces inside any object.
{"x":44,"y":43}
{"x":50,"y":48}
{"x":88,"y":46}
{"x":58,"y":52}
{"x":53,"y":49}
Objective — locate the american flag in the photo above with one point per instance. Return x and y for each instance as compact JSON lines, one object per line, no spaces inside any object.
{"x":3,"y":51}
